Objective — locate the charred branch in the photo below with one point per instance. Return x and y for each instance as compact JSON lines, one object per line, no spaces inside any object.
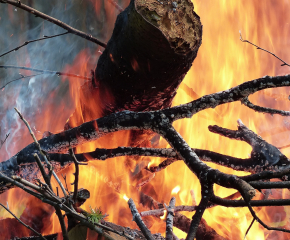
{"x":204,"y":232}
{"x":137,"y":218}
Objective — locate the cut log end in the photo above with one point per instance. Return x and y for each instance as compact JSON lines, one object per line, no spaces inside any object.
{"x":176,"y":20}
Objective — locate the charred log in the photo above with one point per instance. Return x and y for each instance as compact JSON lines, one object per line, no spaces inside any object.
{"x":151,"y":49}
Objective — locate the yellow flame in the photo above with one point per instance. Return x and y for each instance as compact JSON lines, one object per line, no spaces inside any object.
{"x":125,"y":197}
{"x":164,"y":215}
{"x":175,"y":190}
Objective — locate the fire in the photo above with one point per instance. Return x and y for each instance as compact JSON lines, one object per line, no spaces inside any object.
{"x":125,"y":198}
{"x":223,"y":62}
{"x":175,"y":190}
{"x":164,"y":215}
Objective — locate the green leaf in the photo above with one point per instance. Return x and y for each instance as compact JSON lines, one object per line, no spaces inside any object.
{"x":96,"y":215}
{"x":78,"y":233}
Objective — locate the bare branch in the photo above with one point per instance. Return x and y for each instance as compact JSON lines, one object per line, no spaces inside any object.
{"x":3,"y":141}
{"x":76,"y":182}
{"x":137,"y":218}
{"x":43,"y":72}
{"x":22,"y":77}
{"x":30,"y":228}
{"x":40,"y":150}
{"x":262,"y":223}
{"x":27,"y":42}
{"x":251,"y":224}
{"x":257,"y":108}
{"x":284,"y":63}
{"x":116,"y":5}
{"x":63,"y":25}
{"x":169,"y":219}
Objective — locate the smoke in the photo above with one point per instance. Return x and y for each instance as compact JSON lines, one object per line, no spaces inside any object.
{"x":33,"y":96}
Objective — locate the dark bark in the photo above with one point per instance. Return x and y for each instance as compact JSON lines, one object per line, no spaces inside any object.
{"x":152,"y":47}
{"x":204,"y":232}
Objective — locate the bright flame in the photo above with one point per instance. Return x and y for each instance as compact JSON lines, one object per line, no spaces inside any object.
{"x":164,"y":215}
{"x":125,"y":197}
{"x":175,"y":190}
{"x":223,"y":61}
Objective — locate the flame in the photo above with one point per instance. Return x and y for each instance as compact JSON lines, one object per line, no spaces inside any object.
{"x":223,"y":62}
{"x":164,"y":215}
{"x":125,"y":197}
{"x":175,"y":190}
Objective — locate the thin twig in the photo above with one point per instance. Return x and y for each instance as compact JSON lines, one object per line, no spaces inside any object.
{"x":116,"y":5}
{"x":137,"y":218}
{"x":40,"y":150}
{"x":64,"y":178}
{"x":30,"y":228}
{"x":249,"y":227}
{"x":284,"y":63}
{"x":262,"y":223}
{"x":57,"y":204}
{"x":257,"y":108}
{"x":22,"y":77}
{"x":45,"y":71}
{"x":62,"y":223}
{"x":27,"y":42}
{"x":45,"y":176}
{"x":3,"y":141}
{"x":57,"y":22}
{"x":169,"y":219}
{"x":76,"y":182}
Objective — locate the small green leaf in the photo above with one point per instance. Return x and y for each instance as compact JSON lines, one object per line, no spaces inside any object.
{"x":96,"y":215}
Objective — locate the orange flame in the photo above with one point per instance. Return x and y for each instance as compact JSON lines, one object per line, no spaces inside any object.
{"x":223,"y":61}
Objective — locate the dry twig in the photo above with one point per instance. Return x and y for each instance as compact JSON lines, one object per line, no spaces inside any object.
{"x":17,"y":3}
{"x":27,"y":42}
{"x":30,"y":228}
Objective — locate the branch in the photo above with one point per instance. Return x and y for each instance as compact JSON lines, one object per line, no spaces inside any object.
{"x":137,"y":218}
{"x":169,"y":219}
{"x":284,"y":63}
{"x":30,"y":228}
{"x":76,"y":174}
{"x":181,"y":222}
{"x":22,"y":77}
{"x":63,"y":25}
{"x":40,"y":150}
{"x":262,"y":223}
{"x":127,"y":120}
{"x":43,"y":72}
{"x":116,"y":5}
{"x":264,"y":156}
{"x":257,"y":108}
{"x":206,"y":194}
{"x":27,"y":42}
{"x":3,"y":141}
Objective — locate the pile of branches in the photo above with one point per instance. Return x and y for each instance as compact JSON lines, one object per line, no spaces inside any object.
{"x":265,"y":163}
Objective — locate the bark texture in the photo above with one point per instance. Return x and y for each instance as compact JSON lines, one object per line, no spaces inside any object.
{"x":151,"y":49}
